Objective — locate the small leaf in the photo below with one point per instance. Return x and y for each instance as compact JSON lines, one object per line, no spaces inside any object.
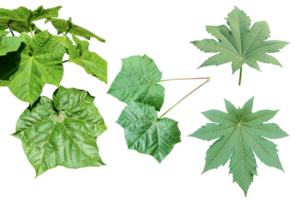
{"x":3,"y":33}
{"x":10,"y":44}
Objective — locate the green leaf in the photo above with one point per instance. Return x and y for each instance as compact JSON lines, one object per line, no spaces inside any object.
{"x":137,"y":81}
{"x":147,"y":134}
{"x":10,"y":44}
{"x":241,"y":44}
{"x":41,"y":62}
{"x":62,"y":131}
{"x":65,"y":26}
{"x":3,"y":33}
{"x":92,"y":63}
{"x":241,"y":133}
{"x":20,"y":19}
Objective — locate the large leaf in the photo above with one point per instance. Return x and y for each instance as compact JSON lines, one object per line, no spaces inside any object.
{"x":138,"y":80}
{"x":241,"y":133}
{"x":61,"y":132}
{"x":147,"y":134}
{"x":240,"y":44}
{"x":41,"y":62}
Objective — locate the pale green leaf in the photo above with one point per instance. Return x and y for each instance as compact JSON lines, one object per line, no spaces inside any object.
{"x":240,"y":133}
{"x":239,"y":43}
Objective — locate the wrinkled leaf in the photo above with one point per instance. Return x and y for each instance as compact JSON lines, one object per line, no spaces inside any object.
{"x":62,"y":131}
{"x":147,"y":134}
{"x":240,"y":133}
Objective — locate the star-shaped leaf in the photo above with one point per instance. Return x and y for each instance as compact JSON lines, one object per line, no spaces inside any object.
{"x":62,"y":131}
{"x":147,"y":134}
{"x":241,"y":44}
{"x":241,"y":133}
{"x":10,"y":44}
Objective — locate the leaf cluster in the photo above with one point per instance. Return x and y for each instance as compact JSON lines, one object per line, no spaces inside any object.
{"x":137,"y":85}
{"x":30,"y":62}
{"x":63,"y":131}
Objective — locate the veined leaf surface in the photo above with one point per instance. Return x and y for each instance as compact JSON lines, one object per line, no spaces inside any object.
{"x":41,"y":62}
{"x":137,"y":81}
{"x":240,"y":133}
{"x":147,"y":134}
{"x":241,"y":44}
{"x":62,"y":131}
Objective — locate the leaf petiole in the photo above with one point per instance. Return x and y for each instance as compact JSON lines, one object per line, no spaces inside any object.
{"x":175,"y":79}
{"x":67,"y":31}
{"x":240,"y":76}
{"x":10,"y":30}
{"x":31,"y":29}
{"x":206,"y":79}
{"x":65,"y":61}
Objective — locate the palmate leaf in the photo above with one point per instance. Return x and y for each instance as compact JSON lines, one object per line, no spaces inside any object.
{"x":62,"y":131}
{"x":147,"y":134}
{"x":241,"y":44}
{"x":137,"y":81}
{"x":241,"y":133}
{"x":41,"y":62}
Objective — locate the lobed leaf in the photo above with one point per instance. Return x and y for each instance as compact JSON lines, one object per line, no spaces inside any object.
{"x":62,"y":131}
{"x":240,"y":133}
{"x":137,"y":81}
{"x":147,"y":134}
{"x":41,"y":63}
{"x":240,"y":44}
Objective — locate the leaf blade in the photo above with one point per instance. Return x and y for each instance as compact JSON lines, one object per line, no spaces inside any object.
{"x":50,"y":139}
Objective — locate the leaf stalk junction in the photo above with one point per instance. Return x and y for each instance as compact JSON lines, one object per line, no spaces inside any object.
{"x":207,"y":80}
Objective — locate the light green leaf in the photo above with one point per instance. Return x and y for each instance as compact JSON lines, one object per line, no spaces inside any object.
{"x":65,"y":26}
{"x":240,"y":44}
{"x":21,"y":19}
{"x":3,"y":33}
{"x":41,"y":62}
{"x":147,"y":134}
{"x":137,"y":81}
{"x":62,"y":131}
{"x":10,"y":44}
{"x":241,"y":133}
{"x":91,"y":62}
